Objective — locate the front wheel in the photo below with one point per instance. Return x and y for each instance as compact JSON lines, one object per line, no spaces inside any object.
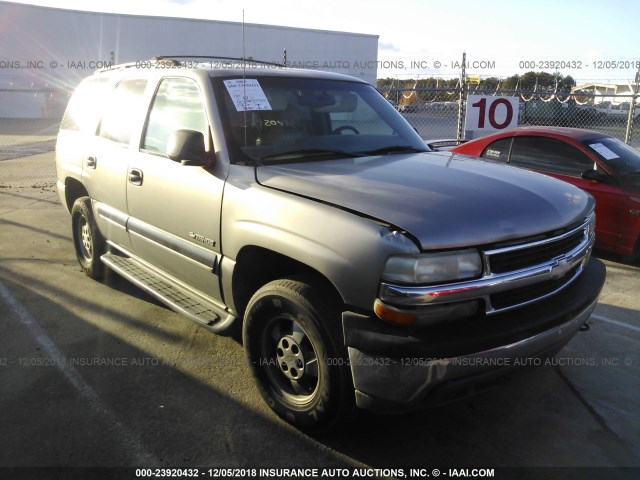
{"x":296,"y":355}
{"x":87,"y":240}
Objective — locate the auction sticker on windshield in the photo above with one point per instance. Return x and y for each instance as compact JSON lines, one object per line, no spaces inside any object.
{"x":247,"y":94}
{"x":606,"y":153}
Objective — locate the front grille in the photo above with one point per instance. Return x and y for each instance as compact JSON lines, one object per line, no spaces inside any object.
{"x":528,"y":256}
{"x":524,"y":295}
{"x":545,"y":259}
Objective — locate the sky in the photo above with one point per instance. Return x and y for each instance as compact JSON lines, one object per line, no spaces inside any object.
{"x":587,"y":39}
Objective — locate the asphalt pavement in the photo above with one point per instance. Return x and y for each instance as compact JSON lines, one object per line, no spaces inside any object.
{"x":98,"y":374}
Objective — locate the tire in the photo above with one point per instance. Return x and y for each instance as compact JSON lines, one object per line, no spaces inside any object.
{"x":295,"y":351}
{"x":87,"y":240}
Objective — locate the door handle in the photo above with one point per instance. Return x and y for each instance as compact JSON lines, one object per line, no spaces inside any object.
{"x":91,"y":163}
{"x":135,"y":176}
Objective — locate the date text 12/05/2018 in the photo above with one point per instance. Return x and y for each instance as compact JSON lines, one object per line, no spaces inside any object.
{"x":578,"y":64}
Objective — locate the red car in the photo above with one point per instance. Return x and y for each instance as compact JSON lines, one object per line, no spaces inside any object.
{"x":604,"y":166}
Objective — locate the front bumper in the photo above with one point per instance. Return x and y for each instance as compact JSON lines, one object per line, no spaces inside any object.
{"x":400,"y":368}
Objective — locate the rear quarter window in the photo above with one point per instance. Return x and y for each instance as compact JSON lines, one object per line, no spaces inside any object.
{"x":121,"y":109}
{"x":85,"y":106}
{"x":498,"y":150}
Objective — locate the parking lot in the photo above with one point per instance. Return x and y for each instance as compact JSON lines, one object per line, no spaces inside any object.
{"x":99,"y":374}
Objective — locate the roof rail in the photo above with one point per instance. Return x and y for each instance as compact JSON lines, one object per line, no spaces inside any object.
{"x":171,"y":60}
{"x":118,"y":66}
{"x":167,"y":61}
{"x":217,"y":57}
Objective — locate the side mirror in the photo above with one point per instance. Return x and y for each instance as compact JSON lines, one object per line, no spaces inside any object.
{"x":187,"y":146}
{"x":595,"y":176}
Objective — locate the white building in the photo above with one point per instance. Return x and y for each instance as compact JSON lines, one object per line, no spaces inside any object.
{"x":614,"y":93}
{"x":44,"y":52}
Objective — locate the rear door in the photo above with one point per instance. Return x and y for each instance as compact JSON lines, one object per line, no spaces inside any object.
{"x":104,"y":169}
{"x":174,"y":208}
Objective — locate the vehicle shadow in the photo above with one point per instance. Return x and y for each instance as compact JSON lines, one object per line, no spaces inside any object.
{"x":75,"y":394}
{"x":153,"y":389}
{"x":613,"y":257}
{"x":187,"y":397}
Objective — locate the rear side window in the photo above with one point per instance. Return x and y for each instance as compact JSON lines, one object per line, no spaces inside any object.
{"x":176,"y":106}
{"x":498,"y":150}
{"x":85,"y":106}
{"x":549,"y":155}
{"x":120,"y":110}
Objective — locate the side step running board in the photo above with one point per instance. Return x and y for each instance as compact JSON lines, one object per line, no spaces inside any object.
{"x":197,"y":309}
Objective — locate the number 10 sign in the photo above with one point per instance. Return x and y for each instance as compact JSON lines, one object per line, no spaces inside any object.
{"x":489,"y":113}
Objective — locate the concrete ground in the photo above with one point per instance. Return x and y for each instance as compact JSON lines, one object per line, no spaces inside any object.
{"x":99,"y":374}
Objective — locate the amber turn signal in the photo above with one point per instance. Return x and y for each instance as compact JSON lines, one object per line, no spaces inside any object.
{"x":393,"y":315}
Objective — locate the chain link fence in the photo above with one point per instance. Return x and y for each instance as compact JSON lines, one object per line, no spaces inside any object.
{"x":26,"y":153}
{"x":435,"y":112}
{"x":30,"y":112}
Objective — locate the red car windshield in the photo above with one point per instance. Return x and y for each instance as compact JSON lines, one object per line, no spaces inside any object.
{"x":623,"y":159}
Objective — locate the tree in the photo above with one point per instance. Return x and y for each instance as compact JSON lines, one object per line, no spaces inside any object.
{"x":440,"y":89}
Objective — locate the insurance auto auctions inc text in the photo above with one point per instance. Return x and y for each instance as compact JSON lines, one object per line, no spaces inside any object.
{"x":374,"y":472}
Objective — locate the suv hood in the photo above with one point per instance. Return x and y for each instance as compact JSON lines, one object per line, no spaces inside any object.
{"x":444,"y":200}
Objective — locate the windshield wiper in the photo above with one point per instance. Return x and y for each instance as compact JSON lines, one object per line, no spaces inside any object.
{"x":393,"y":149}
{"x":308,"y":152}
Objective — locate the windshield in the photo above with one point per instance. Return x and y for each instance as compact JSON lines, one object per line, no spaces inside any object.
{"x":289,"y":119}
{"x":623,"y":160}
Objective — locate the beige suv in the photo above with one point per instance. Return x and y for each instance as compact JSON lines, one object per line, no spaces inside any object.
{"x":300,"y":208}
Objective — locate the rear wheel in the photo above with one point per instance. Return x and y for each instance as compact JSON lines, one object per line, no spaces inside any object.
{"x":297,"y":356}
{"x":87,"y":240}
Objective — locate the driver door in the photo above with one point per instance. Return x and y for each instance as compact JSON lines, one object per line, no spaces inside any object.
{"x":174,"y":208}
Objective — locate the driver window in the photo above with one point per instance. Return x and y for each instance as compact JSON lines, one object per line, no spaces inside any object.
{"x":549,"y":155}
{"x":177,"y":105}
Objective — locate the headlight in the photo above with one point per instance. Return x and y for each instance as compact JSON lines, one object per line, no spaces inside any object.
{"x":433,"y":267}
